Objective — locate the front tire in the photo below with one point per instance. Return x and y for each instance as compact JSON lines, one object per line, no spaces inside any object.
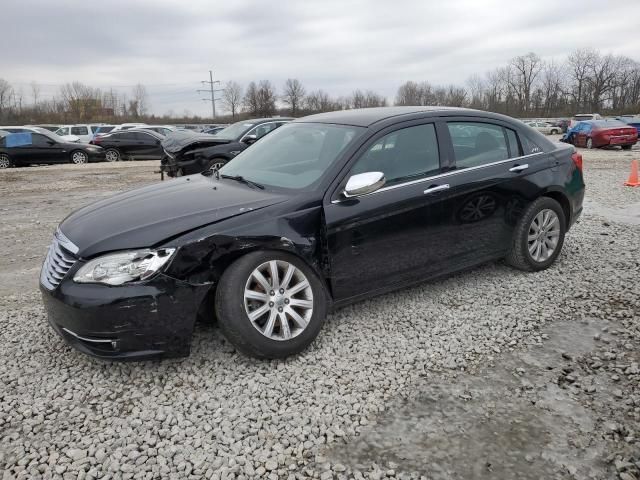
{"x":554,"y":132}
{"x":270,"y":304}
{"x":217,"y":163}
{"x":538,"y":236}
{"x":112,"y":155}
{"x":79,"y":157}
{"x":5,"y":161}
{"x":627,"y":147}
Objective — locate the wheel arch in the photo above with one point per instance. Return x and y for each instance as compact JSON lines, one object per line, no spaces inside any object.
{"x":564,"y":202}
{"x":211,"y":270}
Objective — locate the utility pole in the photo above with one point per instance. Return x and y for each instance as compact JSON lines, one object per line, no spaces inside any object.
{"x":211,"y":91}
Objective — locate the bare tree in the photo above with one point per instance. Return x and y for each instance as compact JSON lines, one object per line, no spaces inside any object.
{"x":6,"y":92}
{"x":476,"y":86}
{"x":579,"y":63}
{"x":251,"y":102}
{"x":409,"y":93}
{"x":318,"y":101}
{"x":139,"y":103}
{"x":293,"y":94}
{"x":266,"y":95}
{"x":35,"y":93}
{"x":525,"y":70}
{"x":232,"y":98}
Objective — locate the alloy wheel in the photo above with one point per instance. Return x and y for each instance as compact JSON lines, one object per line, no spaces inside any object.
{"x":79,"y":158}
{"x":4,"y":161}
{"x":278,"y":300}
{"x":544,"y":233}
{"x":217,"y":165}
{"x":112,"y":156}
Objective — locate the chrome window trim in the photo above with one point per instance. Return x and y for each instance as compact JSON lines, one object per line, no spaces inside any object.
{"x":256,"y":126}
{"x":441,"y":175}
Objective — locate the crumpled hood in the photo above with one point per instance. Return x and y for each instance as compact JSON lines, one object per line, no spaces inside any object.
{"x":151,"y":215}
{"x":176,"y":141}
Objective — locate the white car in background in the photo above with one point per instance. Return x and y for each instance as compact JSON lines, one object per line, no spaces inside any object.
{"x":83,"y":132}
{"x":129,"y":126}
{"x":581,"y":117}
{"x":545,"y":127}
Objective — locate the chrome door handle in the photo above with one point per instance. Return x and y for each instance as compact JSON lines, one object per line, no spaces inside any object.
{"x":519,"y":168}
{"x":437,"y":188}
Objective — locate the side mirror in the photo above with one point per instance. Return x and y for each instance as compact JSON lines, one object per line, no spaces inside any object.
{"x":249,"y":139}
{"x":51,"y":142}
{"x":363,"y":183}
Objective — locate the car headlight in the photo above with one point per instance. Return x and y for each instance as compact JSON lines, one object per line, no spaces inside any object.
{"x":123,"y":267}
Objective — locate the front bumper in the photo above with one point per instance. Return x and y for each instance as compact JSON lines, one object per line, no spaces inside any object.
{"x":128,"y":322}
{"x":96,"y":156}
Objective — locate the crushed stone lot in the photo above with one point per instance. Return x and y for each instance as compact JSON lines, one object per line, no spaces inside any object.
{"x":489,"y":374}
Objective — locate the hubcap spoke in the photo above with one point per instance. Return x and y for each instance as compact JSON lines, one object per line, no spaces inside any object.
{"x":544,"y":234}
{"x":275,"y":310}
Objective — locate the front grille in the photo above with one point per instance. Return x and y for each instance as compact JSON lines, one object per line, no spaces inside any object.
{"x":58,"y":262}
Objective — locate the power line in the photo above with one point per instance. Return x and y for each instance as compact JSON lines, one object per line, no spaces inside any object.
{"x":211,"y":92}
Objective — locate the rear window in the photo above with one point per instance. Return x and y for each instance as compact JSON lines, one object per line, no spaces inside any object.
{"x":608,"y":123}
{"x":104,"y":129}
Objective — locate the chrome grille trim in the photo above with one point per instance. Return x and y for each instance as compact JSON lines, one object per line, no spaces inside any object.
{"x":58,"y":262}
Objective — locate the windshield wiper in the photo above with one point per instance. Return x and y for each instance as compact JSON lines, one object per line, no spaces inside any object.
{"x":241,"y":179}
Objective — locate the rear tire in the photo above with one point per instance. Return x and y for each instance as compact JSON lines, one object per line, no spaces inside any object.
{"x":542,"y":223}
{"x":112,"y":155}
{"x":5,"y":161}
{"x":627,"y":147}
{"x":288,"y":313}
{"x":554,"y":132}
{"x":589,"y":143}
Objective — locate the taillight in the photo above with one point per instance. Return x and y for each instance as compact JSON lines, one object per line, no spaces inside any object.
{"x":96,"y":141}
{"x":577,"y":159}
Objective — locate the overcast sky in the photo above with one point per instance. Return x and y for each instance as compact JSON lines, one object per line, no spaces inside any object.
{"x":337,"y":45}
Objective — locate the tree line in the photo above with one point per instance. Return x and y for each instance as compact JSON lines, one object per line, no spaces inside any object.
{"x":527,"y":86}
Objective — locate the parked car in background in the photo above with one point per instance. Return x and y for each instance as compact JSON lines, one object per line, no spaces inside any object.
{"x":22,"y":129}
{"x":631,"y":121}
{"x":563,"y":124}
{"x":213,"y":130}
{"x":602,"y":133}
{"x":582,"y":117}
{"x":545,"y":127}
{"x":47,"y":126}
{"x":128,"y":126}
{"x":40,"y":146}
{"x":84,"y":132}
{"x":102,"y":129}
{"x":186,"y":153}
{"x":131,"y":144}
{"x":323,"y":212}
{"x":163,"y":130}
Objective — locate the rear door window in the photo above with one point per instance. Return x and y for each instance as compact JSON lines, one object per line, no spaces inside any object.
{"x":403,"y":155}
{"x":478,"y":143}
{"x":79,"y":131}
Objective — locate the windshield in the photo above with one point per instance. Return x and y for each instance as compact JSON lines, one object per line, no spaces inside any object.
{"x":294,"y":156}
{"x":235,"y":130}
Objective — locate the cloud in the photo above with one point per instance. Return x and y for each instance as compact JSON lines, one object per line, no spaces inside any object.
{"x":335,"y":45}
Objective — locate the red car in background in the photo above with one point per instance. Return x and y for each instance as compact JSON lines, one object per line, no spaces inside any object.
{"x":602,"y":133}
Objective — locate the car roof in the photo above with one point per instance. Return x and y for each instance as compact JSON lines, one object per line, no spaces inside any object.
{"x":134,"y":130}
{"x":365,"y":117}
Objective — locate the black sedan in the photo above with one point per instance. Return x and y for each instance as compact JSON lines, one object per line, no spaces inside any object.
{"x":130,"y":145}
{"x":40,"y":146}
{"x":325,"y":211}
{"x":187,"y":153}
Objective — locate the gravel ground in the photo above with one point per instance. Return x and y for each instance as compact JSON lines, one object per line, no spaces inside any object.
{"x":492,"y":373}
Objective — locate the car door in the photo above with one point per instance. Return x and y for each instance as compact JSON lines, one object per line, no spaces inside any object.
{"x":580,"y":137}
{"x":387,"y":237}
{"x":47,"y":150}
{"x":125,"y":142}
{"x":144,"y":146}
{"x":489,"y":185}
